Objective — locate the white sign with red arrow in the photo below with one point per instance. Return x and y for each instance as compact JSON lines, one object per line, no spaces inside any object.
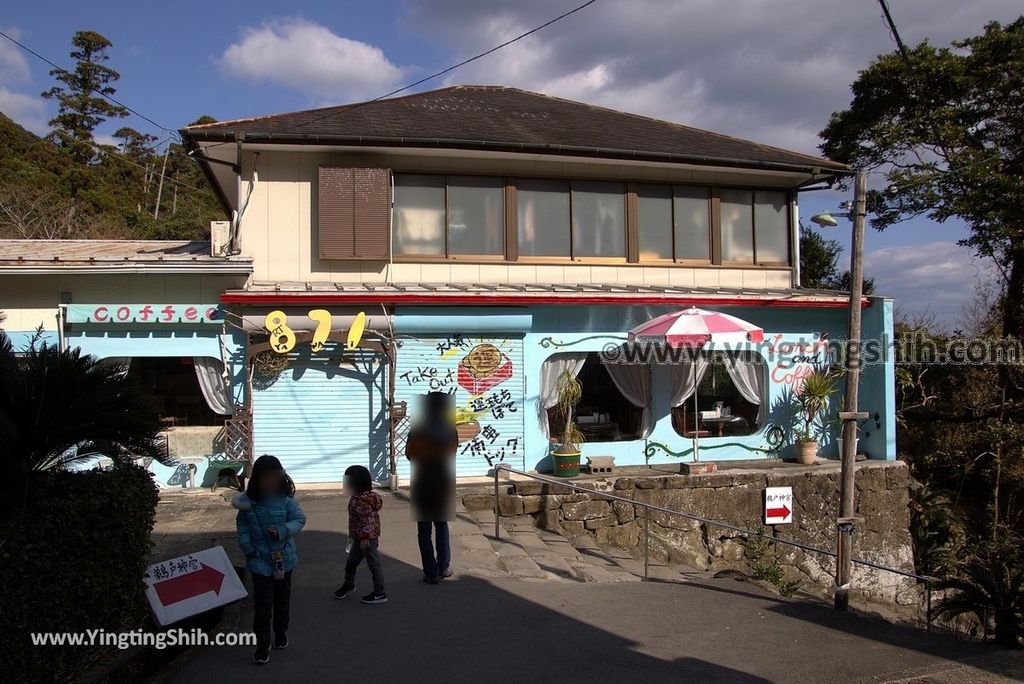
{"x":778,"y":505}
{"x":188,"y":585}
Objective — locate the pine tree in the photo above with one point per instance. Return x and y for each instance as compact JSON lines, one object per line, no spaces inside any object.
{"x":82,"y":105}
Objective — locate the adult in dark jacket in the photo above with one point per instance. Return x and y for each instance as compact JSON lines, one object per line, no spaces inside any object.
{"x":431,"y":449}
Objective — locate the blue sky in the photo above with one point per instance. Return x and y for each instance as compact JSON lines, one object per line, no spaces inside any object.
{"x":769,"y":71}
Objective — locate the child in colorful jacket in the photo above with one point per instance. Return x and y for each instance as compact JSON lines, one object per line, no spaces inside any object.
{"x":363,"y":533}
{"x":268,"y":519}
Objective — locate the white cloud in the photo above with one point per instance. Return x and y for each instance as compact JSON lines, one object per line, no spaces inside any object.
{"x":937,"y":278}
{"x":758,"y":69}
{"x":308,"y":57}
{"x":28,"y":111}
{"x":13,"y":64}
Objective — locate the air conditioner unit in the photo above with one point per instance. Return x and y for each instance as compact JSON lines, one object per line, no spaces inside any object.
{"x":220,"y":238}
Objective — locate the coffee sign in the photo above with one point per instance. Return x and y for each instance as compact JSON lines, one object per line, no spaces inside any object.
{"x":134,"y":314}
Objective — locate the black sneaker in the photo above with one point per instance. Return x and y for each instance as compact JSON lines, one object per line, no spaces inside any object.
{"x":344,"y":590}
{"x":431,"y":580}
{"x":262,"y":656}
{"x":375,"y":598}
{"x":281,"y":643}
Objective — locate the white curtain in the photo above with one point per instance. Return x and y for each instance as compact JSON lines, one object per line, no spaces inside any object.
{"x":216,"y":391}
{"x":634,"y":381}
{"x":684,"y":377}
{"x":550,"y":371}
{"x":748,"y":376}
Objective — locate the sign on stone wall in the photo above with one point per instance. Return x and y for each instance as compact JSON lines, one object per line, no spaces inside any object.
{"x":778,"y":505}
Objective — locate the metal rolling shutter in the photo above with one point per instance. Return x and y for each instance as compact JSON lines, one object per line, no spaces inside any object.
{"x":495,"y":434}
{"x":319,"y":418}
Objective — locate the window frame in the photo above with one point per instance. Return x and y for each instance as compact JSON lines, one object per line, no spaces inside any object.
{"x":511,"y":255}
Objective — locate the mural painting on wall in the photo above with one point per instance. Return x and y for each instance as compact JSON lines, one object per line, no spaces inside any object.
{"x":794,"y":361}
{"x":476,"y":372}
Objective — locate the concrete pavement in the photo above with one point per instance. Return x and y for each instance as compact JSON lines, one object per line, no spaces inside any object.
{"x":492,"y":622}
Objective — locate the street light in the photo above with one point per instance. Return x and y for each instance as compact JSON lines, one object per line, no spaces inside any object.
{"x":847,"y":509}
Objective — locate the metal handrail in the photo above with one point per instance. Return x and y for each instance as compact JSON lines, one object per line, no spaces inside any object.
{"x":926,"y":580}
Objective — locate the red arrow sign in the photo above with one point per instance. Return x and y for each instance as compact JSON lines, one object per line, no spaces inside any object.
{"x":175,"y":589}
{"x":778,"y":512}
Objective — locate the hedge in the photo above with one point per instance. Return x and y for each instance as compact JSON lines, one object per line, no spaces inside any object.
{"x":72,"y":560}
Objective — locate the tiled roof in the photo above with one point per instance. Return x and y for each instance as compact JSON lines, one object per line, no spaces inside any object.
{"x":509,"y":119}
{"x":25,"y":255}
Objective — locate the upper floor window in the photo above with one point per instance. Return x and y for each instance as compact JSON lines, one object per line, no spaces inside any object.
{"x":755,"y":226}
{"x":673,"y":222}
{"x":577,"y":220}
{"x":466,"y":217}
{"x":449,"y":216}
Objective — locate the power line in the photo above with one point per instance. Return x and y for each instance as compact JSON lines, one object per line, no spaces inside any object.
{"x":98,"y":92}
{"x":342,"y":110}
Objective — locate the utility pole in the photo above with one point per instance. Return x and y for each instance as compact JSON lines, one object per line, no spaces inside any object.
{"x":160,"y":186}
{"x":847,"y":505}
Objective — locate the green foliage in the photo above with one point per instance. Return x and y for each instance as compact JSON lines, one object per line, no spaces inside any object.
{"x":946,"y":131}
{"x":764,"y":564}
{"x":990,"y":585}
{"x":80,"y":99}
{"x":812,"y":399}
{"x":819,"y":259}
{"x":937,"y":530}
{"x":57,"y":407}
{"x":73,"y":561}
{"x":569,"y":392}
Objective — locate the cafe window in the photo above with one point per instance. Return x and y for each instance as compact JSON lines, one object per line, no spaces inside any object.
{"x":598,"y":220}
{"x":613,"y":401}
{"x":755,"y":226}
{"x":731,"y":397}
{"x":449,"y":216}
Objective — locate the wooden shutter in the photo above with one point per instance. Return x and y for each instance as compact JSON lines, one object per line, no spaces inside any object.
{"x":372,"y":213}
{"x":354,"y":213}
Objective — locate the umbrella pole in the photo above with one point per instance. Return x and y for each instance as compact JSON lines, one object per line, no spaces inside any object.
{"x":696,"y":414}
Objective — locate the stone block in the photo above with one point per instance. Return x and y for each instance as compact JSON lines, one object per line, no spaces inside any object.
{"x":697,"y":468}
{"x":536,"y":504}
{"x":585,"y":510}
{"x":549,"y":519}
{"x":478,"y":502}
{"x":510,"y":504}
{"x":648,"y":483}
{"x":624,"y":512}
{"x":624,"y":483}
{"x":597,"y":523}
{"x":629,"y":536}
{"x":573,"y":528}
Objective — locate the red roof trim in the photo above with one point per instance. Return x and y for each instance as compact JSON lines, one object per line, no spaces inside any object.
{"x":518,"y":299}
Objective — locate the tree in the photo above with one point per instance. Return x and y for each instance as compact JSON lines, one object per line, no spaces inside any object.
{"x":944,"y":124}
{"x":819,"y":259}
{"x":82,"y":104}
{"x":58,"y":406}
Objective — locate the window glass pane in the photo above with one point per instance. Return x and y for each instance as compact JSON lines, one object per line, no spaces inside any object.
{"x":418,"y":221}
{"x":598,"y":219}
{"x":731,"y":398}
{"x":543,"y":208}
{"x":654,"y":216}
{"x":603,"y":414}
{"x":770,"y":226}
{"x":693,"y":226}
{"x":476,"y":210}
{"x":737,"y":226}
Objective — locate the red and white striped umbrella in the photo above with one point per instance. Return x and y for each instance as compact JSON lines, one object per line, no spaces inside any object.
{"x":695,"y":327}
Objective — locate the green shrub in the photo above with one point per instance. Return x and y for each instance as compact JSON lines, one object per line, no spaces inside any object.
{"x":73,"y":560}
{"x":764,"y":564}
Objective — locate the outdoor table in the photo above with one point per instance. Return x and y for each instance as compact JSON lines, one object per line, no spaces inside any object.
{"x":721,"y":422}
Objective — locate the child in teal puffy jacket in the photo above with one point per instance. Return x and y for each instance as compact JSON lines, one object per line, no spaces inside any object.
{"x":268,"y":519}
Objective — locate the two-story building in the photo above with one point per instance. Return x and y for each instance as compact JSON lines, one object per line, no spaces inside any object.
{"x":491,"y":239}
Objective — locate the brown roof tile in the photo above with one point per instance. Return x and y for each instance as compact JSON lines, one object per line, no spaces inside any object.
{"x":495,"y":117}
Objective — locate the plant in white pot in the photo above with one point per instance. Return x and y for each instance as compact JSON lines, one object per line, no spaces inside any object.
{"x":565,"y":455}
{"x":810,"y":402}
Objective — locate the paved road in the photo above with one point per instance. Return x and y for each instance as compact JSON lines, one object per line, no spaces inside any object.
{"x":482,"y":627}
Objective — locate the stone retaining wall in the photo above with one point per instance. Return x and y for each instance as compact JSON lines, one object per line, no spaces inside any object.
{"x":736,"y":497}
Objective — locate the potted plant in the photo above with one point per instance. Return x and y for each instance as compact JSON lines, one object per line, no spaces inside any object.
{"x":565,"y":454}
{"x":811,"y":401}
